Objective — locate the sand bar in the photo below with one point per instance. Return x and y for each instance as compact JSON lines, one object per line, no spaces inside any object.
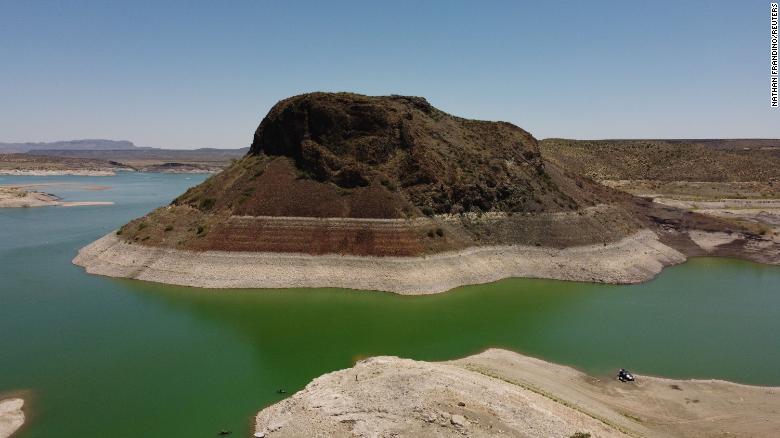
{"x":15,"y":197}
{"x":19,"y":197}
{"x":84,"y":203}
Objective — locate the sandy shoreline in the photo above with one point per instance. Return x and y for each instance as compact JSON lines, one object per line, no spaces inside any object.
{"x":22,"y":197}
{"x":634,"y":259}
{"x":18,"y":197}
{"x":502,"y":393}
{"x":11,"y":416}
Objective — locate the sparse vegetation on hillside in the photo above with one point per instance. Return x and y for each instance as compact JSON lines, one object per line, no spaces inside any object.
{"x":667,"y":160}
{"x":321,"y":163}
{"x":341,"y":155}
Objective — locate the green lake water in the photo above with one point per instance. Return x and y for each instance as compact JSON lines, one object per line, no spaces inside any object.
{"x":102,"y":357}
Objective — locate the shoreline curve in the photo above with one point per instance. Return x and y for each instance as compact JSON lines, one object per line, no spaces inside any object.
{"x":633,"y":259}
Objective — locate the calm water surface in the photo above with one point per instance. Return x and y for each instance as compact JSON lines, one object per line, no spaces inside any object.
{"x":104,"y":357}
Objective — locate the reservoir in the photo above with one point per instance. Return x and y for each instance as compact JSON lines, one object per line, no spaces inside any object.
{"x":100,"y":357}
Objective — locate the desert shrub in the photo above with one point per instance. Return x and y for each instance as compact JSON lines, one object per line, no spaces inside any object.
{"x":389,"y":185}
{"x":439,"y":232}
{"x":207,"y":204}
{"x":168,"y":228}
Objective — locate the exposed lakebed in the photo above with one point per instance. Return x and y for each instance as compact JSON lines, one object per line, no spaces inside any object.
{"x":121,"y":358}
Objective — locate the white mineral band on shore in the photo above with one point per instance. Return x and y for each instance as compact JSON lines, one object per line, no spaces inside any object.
{"x":633,"y":259}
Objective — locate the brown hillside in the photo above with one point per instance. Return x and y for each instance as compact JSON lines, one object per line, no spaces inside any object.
{"x":667,"y":160}
{"x":352,"y":174}
{"x":347,"y":155}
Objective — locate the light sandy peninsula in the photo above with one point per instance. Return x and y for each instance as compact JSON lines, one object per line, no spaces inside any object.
{"x":15,"y":197}
{"x":633,"y":259}
{"x":501,"y":393}
{"x":11,"y":416}
{"x":18,"y":197}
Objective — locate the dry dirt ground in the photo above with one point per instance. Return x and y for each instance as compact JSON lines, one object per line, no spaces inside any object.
{"x":754,"y":205}
{"x":501,"y":393}
{"x":667,"y":160}
{"x":737,"y":181}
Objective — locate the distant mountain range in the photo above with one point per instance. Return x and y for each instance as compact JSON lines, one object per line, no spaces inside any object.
{"x":114,"y":152}
{"x":71,"y":145}
{"x":92,"y":145}
{"x":129,"y":156}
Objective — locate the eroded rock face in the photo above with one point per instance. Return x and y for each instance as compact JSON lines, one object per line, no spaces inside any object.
{"x":363,"y":158}
{"x":404,"y":179}
{"x":444,"y":163}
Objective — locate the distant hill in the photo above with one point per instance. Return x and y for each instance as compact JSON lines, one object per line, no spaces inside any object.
{"x":30,"y":164}
{"x":79,"y":145}
{"x":146,"y":156}
{"x":667,"y":160}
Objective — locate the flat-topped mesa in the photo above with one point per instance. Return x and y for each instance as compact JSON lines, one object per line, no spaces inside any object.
{"x":347,"y":155}
{"x":353,"y":159}
{"x":348,"y":139}
{"x":437,"y":200}
{"x":440,"y":162}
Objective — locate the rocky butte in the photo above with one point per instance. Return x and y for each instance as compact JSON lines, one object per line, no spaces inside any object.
{"x":389,"y":193}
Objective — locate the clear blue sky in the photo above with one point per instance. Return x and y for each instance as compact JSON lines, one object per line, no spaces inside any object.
{"x":203,"y":74}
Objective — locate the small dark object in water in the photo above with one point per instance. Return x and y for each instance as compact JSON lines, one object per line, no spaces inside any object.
{"x":625,"y":376}
{"x":224,"y":432}
{"x":281,"y":391}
